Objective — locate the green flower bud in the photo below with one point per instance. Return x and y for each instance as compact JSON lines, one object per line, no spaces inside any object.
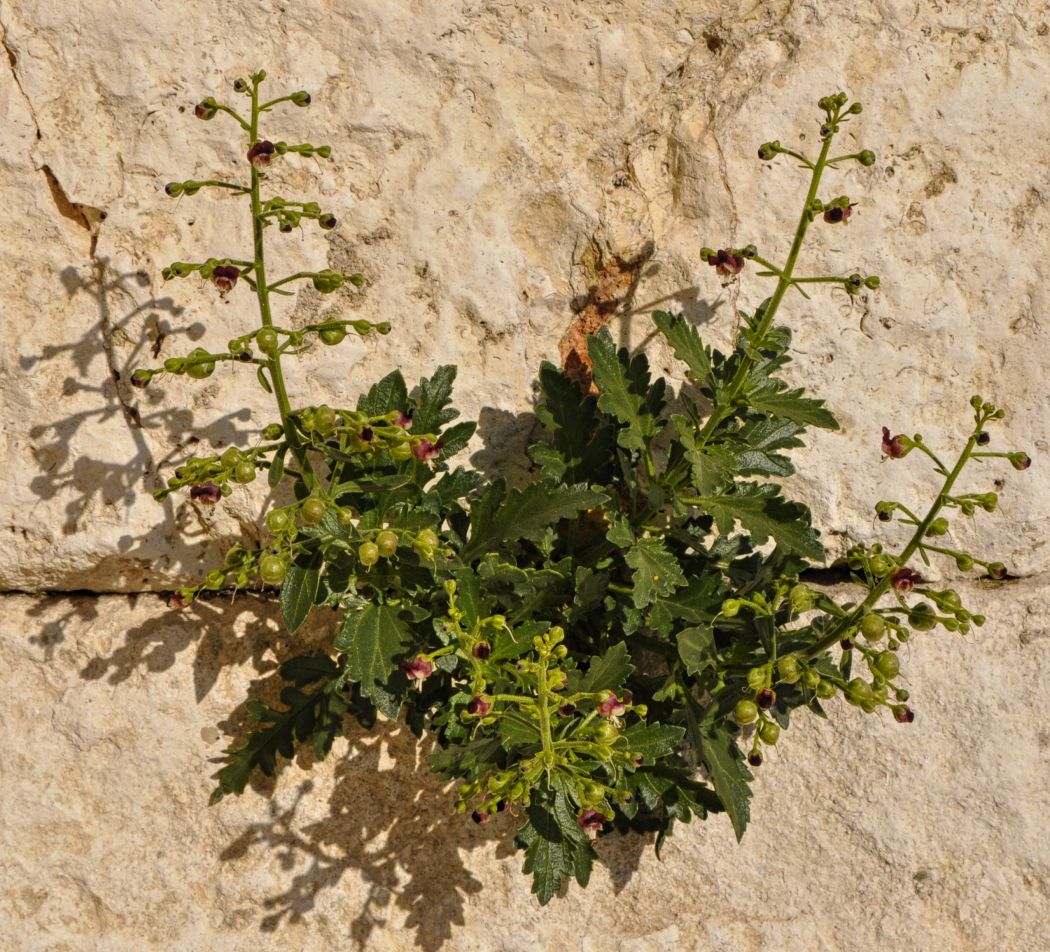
{"x":867,"y":157}
{"x":301,"y":98}
{"x":788,"y":669}
{"x":273,"y":431}
{"x":872,"y":282}
{"x":768,"y":150}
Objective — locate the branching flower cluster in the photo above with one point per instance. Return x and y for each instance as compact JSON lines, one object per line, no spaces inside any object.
{"x":612,"y":646}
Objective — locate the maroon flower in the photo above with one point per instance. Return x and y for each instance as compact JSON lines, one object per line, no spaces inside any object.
{"x":567,"y":710}
{"x":403,"y":419}
{"x":1020,"y":460}
{"x":903,"y":715}
{"x":366,"y":434}
{"x":176,"y":601}
{"x":997,"y":571}
{"x":612,"y":706}
{"x":479,"y":816}
{"x":225,"y":276}
{"x":837,"y":213}
{"x":481,"y":650}
{"x":207,"y":493}
{"x":726,"y":263}
{"x":766,"y":698}
{"x":905,"y":579}
{"x":260,"y":154}
{"x":590,"y":820}
{"x":755,"y":759}
{"x":424,"y":449}
{"x":417,"y":669}
{"x":479,"y":706}
{"x":140,"y":379}
{"x":891,"y":446}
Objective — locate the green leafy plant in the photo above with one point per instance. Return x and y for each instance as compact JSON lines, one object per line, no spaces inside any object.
{"x":613,"y":645}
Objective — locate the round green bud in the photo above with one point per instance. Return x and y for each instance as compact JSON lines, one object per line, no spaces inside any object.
{"x":200,"y":370}
{"x":745,"y":712}
{"x":332,"y":335}
{"x":867,"y":157}
{"x":231,"y":456}
{"x":214,"y":580}
{"x":324,"y":419}
{"x":758,"y":678}
{"x":963,"y":562}
{"x":789,"y":670}
{"x":272,"y":569}
{"x":873,"y":627}
{"x":267,"y":341}
{"x":826,"y":689}
{"x":881,"y":566}
{"x":855,"y":109}
{"x":872,"y":282}
{"x":769,"y":732}
{"x":279,"y":520}
{"x":887,"y":664}
{"x":273,"y":431}
{"x":730,"y":607}
{"x":387,"y":543}
{"x":244,"y":471}
{"x":922,"y":617}
{"x":811,"y":679}
{"x":858,"y":691}
{"x":768,"y":150}
{"x":368,"y":554}
{"x":313,"y":509}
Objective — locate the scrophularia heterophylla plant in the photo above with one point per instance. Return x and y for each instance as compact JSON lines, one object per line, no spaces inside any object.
{"x":576,"y":649}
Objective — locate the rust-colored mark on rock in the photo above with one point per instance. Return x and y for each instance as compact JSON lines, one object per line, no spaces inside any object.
{"x":614,"y":284}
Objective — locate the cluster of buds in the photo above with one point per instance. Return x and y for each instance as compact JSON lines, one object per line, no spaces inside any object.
{"x":209,"y":477}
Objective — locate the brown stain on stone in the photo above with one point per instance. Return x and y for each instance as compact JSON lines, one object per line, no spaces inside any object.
{"x":614,"y":283}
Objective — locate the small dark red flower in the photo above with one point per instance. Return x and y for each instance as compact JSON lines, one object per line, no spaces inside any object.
{"x":225,"y":276}
{"x":997,"y":571}
{"x":755,"y":759}
{"x":766,"y":698}
{"x":904,"y":715}
{"x":837,"y":213}
{"x":260,"y":154}
{"x":726,"y":263}
{"x":176,"y":601}
{"x":1020,"y":460}
{"x":591,"y":820}
{"x":481,"y":650}
{"x":366,"y":434}
{"x":567,"y":710}
{"x":417,"y":668}
{"x":479,"y":706}
{"x":612,"y":706}
{"x":403,"y":419}
{"x":424,"y":449}
{"x":891,"y":446}
{"x":479,"y":816}
{"x":845,"y":644}
{"x":905,"y":579}
{"x":207,"y":493}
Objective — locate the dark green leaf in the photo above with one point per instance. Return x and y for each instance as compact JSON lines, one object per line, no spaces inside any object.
{"x":654,"y":741}
{"x":582,"y":442}
{"x":764,"y":513}
{"x":276,"y":473}
{"x":618,"y":394}
{"x":524,"y":514}
{"x":729,"y":776}
{"x":656,"y":571}
{"x":770,"y":397}
{"x":686,"y":344}
{"x":432,"y":409}
{"x":457,"y":437}
{"x":263,"y":382}
{"x":696,"y":648}
{"x":384,"y":397}
{"x":371,"y":639}
{"x":607,"y":672}
{"x":299,"y":590}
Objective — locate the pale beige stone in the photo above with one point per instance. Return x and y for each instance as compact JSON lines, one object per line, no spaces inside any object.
{"x":865,"y":833}
{"x":485,"y":156}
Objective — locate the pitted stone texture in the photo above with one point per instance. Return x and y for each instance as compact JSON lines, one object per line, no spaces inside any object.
{"x":865,"y":833}
{"x":487,"y":159}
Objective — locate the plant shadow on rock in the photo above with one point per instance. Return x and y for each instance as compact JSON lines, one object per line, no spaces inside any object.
{"x":388,"y":819}
{"x":87,"y":480}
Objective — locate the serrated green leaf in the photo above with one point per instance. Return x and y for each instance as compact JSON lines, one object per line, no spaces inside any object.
{"x":729,"y":776}
{"x":371,"y":639}
{"x":656,"y":571}
{"x":764,"y":513}
{"x":457,"y":437}
{"x":432,"y":409}
{"x":299,"y":590}
{"x":686,"y":344}
{"x":551,"y":839}
{"x":524,"y":514}
{"x":387,"y":395}
{"x":696,"y":648}
{"x":769,"y":395}
{"x":619,"y":395}
{"x":582,"y":443}
{"x":606,"y":672}
{"x":654,"y":741}
{"x":712,"y":466}
{"x":758,"y":441}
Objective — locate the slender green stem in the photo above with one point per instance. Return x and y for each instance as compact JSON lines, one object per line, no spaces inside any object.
{"x":262,"y":292}
{"x":244,"y":125}
{"x":543,"y":701}
{"x":299,"y":275}
{"x":725,"y":409}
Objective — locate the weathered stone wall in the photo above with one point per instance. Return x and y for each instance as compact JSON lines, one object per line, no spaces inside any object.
{"x":491,"y":162}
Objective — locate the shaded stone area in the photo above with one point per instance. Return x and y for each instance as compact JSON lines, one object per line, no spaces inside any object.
{"x":865,"y":833}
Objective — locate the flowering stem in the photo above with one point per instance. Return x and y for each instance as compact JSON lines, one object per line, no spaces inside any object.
{"x":726,"y":406}
{"x":262,"y":292}
{"x":850,"y":621}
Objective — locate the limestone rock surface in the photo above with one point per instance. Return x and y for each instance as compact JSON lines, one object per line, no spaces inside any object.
{"x":865,"y":833}
{"x":491,"y":162}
